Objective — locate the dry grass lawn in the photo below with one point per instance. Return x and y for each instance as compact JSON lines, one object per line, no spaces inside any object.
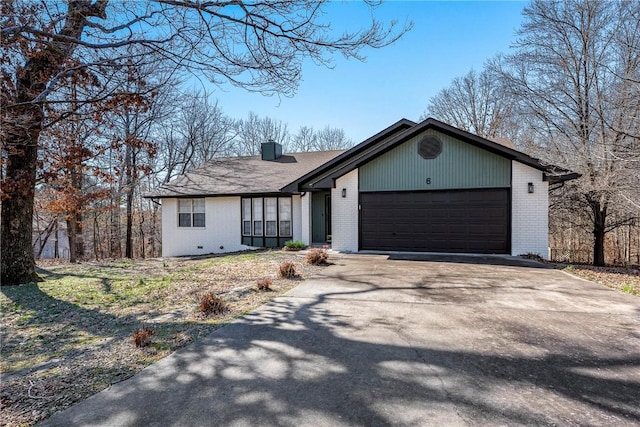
{"x":620,"y":278}
{"x":71,"y":336}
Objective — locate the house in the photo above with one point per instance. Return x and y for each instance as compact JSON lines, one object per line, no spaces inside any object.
{"x":412,"y":187}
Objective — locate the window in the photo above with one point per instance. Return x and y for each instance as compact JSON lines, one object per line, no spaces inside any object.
{"x":266,"y":217}
{"x":246,"y":217}
{"x":191,"y":213}
{"x":285,"y":216}
{"x":257,"y":217}
{"x":271,"y":216}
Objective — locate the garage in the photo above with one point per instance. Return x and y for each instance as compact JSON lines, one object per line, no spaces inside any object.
{"x":465,"y":221}
{"x":430,"y":187}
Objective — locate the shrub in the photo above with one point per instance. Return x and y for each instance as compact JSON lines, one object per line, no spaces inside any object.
{"x":287,"y":270}
{"x":212,"y":304}
{"x":264,"y":284}
{"x":294,"y":245}
{"x":317,"y":257}
{"x":142,"y":336}
{"x":629,"y":288}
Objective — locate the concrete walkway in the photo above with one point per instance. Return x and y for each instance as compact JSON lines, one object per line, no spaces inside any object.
{"x":379,"y":342}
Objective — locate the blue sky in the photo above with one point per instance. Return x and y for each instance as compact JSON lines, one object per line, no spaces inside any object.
{"x":448,"y":39}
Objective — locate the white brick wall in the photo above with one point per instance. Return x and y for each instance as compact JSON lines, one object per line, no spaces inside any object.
{"x":305,"y":218}
{"x":529,"y":212}
{"x":222,"y":228}
{"x":296,"y":216}
{"x":344,"y":214}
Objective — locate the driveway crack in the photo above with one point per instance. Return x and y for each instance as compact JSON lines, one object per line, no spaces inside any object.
{"x":429,"y":366}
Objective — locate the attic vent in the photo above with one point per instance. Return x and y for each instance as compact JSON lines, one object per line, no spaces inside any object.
{"x":429,"y":147}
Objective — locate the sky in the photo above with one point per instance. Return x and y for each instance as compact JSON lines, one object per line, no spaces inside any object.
{"x":448,"y":39}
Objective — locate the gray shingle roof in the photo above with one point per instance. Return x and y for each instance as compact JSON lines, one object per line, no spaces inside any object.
{"x":243,"y":175}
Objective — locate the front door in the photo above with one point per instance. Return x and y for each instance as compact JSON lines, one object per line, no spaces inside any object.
{"x":320,"y":216}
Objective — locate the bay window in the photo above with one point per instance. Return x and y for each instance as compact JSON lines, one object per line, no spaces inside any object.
{"x":266,"y":221}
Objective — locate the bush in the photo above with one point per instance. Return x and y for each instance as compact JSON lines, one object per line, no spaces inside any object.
{"x":287,"y":270}
{"x":317,"y":257}
{"x":142,"y":336}
{"x":212,"y":304}
{"x":294,"y":245}
{"x":264,"y":284}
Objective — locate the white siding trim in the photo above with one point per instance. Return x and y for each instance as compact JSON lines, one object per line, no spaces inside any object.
{"x":344,"y":213}
{"x":529,"y":211}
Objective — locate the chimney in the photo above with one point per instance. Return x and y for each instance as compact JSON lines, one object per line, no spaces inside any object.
{"x":271,"y":150}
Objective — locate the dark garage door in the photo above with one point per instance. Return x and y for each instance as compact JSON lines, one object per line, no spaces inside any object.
{"x":471,"y":221}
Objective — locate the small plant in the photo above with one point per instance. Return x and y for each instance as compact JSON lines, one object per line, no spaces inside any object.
{"x":629,"y":288}
{"x":142,"y":336}
{"x":317,"y":257}
{"x":264,"y":284}
{"x":287,"y":270}
{"x":294,"y":245}
{"x":211,"y":303}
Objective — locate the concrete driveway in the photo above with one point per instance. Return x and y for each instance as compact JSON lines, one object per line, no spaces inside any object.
{"x":379,"y":342}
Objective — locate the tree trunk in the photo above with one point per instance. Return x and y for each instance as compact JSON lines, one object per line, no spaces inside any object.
{"x":115,"y":250}
{"x":71,"y":235}
{"x":128,"y":251}
{"x":153,"y":232}
{"x":76,"y":239}
{"x":129,"y":182}
{"x":20,"y":141}
{"x":56,"y":242}
{"x":96,"y":236}
{"x":599,"y":230}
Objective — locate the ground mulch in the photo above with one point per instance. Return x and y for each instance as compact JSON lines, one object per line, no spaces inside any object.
{"x":71,"y":336}
{"x":625,"y":279}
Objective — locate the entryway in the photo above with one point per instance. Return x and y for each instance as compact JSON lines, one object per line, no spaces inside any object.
{"x":321,"y":217}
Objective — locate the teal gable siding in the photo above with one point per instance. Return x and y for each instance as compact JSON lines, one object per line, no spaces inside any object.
{"x":459,"y":165}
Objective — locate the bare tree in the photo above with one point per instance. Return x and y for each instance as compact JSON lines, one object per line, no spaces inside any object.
{"x":477,"y":103}
{"x":328,"y":138}
{"x":574,"y":73}
{"x":304,"y":140}
{"x":254,"y":130}
{"x":256,"y":45}
{"x":197,"y":132}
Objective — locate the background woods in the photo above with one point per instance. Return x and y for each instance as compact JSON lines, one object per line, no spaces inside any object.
{"x":89,"y":60}
{"x":569,"y":94}
{"x":96,"y":201}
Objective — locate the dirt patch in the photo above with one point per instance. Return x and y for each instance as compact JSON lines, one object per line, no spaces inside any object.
{"x":71,"y":336}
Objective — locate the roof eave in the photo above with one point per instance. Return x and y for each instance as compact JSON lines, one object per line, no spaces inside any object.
{"x":555,"y":179}
{"x":394,"y":128}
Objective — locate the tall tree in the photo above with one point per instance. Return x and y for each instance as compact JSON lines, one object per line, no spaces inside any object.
{"x":575,"y":72}
{"x":477,"y":103}
{"x":328,"y":138}
{"x":254,"y":130}
{"x":197,"y":132}
{"x":256,"y":45}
